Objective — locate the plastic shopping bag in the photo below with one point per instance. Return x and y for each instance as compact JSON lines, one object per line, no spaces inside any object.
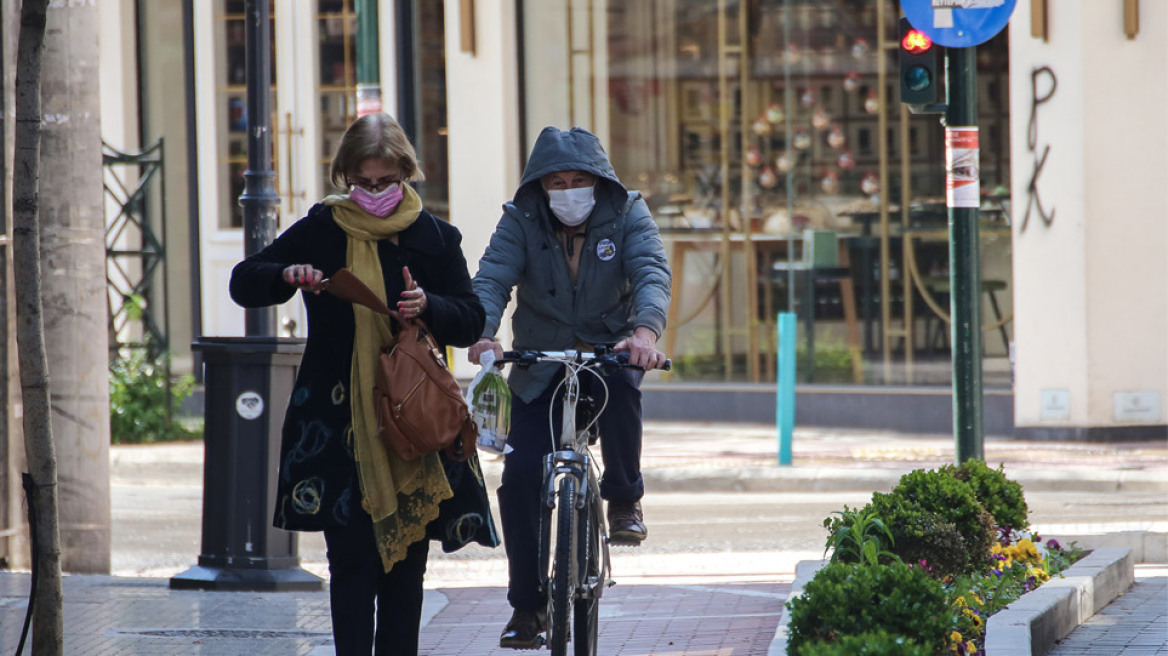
{"x":489,"y":399}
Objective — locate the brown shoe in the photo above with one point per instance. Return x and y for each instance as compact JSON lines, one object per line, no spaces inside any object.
{"x":525,"y":630}
{"x":626,"y":524}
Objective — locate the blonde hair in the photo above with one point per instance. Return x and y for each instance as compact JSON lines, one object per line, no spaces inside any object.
{"x":379,"y":137}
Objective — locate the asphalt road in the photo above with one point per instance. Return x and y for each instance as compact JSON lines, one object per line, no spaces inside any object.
{"x":156,"y":498}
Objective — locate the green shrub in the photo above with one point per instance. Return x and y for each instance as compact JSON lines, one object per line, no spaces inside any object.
{"x":142,"y":404}
{"x":843,"y":599}
{"x":1001,"y":497}
{"x":869,"y":643}
{"x":922,"y":537}
{"x":952,"y":502}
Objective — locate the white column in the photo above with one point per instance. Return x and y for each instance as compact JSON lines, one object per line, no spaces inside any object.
{"x":483,"y":115}
{"x":1091,"y":284}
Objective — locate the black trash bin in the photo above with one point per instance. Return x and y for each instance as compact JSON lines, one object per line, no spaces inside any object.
{"x":248,"y":381}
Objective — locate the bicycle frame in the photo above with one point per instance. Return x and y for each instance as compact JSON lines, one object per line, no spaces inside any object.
{"x":574,"y":568}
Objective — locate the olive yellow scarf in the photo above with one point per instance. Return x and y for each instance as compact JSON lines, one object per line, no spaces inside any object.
{"x":401,"y":497}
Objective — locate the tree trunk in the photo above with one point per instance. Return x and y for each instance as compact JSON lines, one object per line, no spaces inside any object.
{"x":72,"y":241}
{"x":47,"y":625}
{"x":14,"y":552}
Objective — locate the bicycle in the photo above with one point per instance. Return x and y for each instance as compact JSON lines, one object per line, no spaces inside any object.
{"x":574,"y":568}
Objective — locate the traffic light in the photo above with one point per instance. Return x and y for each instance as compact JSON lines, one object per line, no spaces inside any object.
{"x":918,"y":66}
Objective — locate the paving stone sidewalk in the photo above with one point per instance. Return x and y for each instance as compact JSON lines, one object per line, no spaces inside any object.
{"x":123,"y":616}
{"x":109,"y":616}
{"x":1135,"y":624}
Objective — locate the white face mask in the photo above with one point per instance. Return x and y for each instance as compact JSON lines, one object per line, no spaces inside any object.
{"x":572,"y":206}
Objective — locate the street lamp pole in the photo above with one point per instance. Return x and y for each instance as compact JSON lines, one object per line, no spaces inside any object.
{"x":259,"y":200}
{"x":248,"y":382}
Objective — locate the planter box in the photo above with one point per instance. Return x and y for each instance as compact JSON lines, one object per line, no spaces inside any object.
{"x":1032,"y":625}
{"x":1037,"y":620}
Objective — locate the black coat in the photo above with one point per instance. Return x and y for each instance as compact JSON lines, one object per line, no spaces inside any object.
{"x":316,"y":444}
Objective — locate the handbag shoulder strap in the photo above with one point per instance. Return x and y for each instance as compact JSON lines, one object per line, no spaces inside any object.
{"x":346,"y":286}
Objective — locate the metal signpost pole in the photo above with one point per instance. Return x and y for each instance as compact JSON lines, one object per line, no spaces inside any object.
{"x":962,"y":185}
{"x":960,"y":26}
{"x":368,"y":53}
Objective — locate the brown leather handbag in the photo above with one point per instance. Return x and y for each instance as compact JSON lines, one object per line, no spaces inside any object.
{"x":420,"y":407}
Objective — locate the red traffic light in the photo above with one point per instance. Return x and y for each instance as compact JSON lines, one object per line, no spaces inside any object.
{"x":915,"y":42}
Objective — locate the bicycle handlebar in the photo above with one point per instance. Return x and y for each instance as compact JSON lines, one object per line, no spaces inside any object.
{"x":602,"y":357}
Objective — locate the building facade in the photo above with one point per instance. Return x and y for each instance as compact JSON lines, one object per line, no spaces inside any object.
{"x":769,"y":140}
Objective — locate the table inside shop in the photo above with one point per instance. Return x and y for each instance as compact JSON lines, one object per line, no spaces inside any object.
{"x":766,"y":250}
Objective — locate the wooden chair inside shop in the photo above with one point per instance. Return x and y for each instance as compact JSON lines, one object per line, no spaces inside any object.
{"x":824,"y":258}
{"x":937,"y":326}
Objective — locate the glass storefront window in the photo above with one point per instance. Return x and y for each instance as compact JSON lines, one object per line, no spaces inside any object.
{"x":231,"y":93}
{"x":759,"y":130}
{"x":337,"y":78}
{"x":430,"y":140}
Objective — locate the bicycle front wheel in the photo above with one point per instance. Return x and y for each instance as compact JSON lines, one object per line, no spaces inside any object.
{"x":586,"y":611}
{"x":564,"y":569}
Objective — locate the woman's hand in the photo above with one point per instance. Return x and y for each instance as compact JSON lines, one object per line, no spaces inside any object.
{"x":304,"y":276}
{"x":642,"y":348}
{"x":482,"y":346}
{"x":413,"y":302}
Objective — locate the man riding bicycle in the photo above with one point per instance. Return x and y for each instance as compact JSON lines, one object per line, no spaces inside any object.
{"x":586,"y":259}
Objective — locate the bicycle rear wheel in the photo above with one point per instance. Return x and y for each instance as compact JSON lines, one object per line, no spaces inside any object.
{"x":564,"y":569}
{"x":586,"y":611}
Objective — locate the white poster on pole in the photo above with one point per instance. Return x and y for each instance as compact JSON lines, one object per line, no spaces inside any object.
{"x":962,"y":175}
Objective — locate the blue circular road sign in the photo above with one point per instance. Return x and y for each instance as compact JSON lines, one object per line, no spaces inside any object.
{"x":959,"y":23}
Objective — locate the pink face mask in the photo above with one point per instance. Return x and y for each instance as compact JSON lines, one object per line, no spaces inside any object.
{"x":380,"y":204}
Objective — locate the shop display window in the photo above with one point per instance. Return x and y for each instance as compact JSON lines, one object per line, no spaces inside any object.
{"x":748,"y":124}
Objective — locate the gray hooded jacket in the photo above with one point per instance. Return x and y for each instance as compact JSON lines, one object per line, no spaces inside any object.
{"x":623,"y":281}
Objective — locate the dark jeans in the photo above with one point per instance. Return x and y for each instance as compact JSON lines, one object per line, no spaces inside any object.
{"x":531,"y":439}
{"x":358,"y":586}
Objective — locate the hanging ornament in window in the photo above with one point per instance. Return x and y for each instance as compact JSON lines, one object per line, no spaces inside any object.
{"x":819,"y":119}
{"x":860,"y":49}
{"x":870,"y":185}
{"x":846,"y":161}
{"x":783,"y":162}
{"x":872,"y":104}
{"x":830,"y":182}
{"x":792,"y":54}
{"x":774,"y":113}
{"x":807,"y":99}
{"x":767,"y":178}
{"x":801,"y":140}
{"x":852,"y":82}
{"x":826,"y":17}
{"x":805,"y":18}
{"x":753,"y":156}
{"x":827,"y":59}
{"x":836,"y":138}
{"x":760,"y":126}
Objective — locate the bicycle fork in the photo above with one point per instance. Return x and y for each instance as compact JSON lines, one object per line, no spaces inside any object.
{"x":556,"y":466}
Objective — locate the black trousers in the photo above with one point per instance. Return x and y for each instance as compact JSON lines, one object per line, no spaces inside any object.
{"x":531,"y":438}
{"x":359,"y":589}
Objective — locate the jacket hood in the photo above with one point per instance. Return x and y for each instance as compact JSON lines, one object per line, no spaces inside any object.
{"x":565,"y":150}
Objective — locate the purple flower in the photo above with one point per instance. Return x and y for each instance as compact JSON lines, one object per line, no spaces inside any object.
{"x":1053,"y":544}
{"x":996,"y":572}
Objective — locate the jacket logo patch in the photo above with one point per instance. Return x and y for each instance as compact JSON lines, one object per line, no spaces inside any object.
{"x":605,"y":250}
